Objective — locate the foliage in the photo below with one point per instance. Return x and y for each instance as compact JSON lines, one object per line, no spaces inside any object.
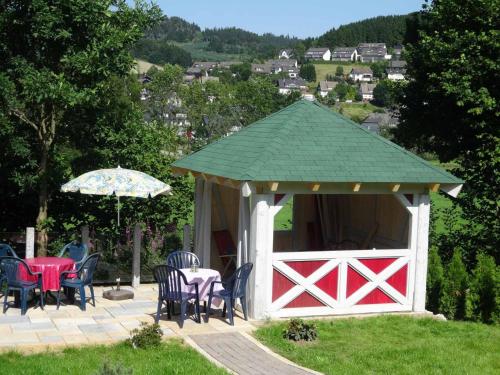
{"x":484,"y":296}
{"x":450,"y":107}
{"x":299,"y":330}
{"x":339,"y":71}
{"x":454,"y":289}
{"x":174,"y":28}
{"x":391,"y":344}
{"x":147,"y":336}
{"x":383,"y":29}
{"x":378,"y":68}
{"x":308,"y":72}
{"x":117,"y":369}
{"x":387,"y":92}
{"x":171,"y":357}
{"x":161,"y":51}
{"x":345,"y":91}
{"x":435,"y":279}
{"x":51,"y":65}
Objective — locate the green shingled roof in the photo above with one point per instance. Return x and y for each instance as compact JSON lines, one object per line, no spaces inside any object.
{"x":308,"y":142}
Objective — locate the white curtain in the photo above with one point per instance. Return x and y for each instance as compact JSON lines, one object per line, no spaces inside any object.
{"x":203,"y":221}
{"x":329,"y":216}
{"x":243,"y":229}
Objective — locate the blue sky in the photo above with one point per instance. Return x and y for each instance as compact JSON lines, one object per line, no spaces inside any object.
{"x":299,"y":18}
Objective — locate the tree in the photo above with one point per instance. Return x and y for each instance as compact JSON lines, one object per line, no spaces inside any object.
{"x":378,"y":69}
{"x":345,"y":91}
{"x":339,"y":72}
{"x":308,"y":72}
{"x":450,"y":107}
{"x":56,"y":56}
{"x":455,"y":289}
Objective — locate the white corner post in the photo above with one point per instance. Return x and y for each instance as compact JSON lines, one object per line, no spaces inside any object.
{"x":85,"y":235}
{"x":203,"y":221}
{"x":423,"y":201}
{"x":136,"y":257}
{"x":260,"y":254}
{"x":30,"y":242}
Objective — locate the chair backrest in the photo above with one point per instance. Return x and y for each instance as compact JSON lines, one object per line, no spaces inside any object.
{"x":169,"y":281}
{"x":237,"y":283}
{"x":224,"y":242}
{"x":7,"y":251}
{"x":87,"y":269}
{"x":76,"y":251}
{"x":9,"y":268}
{"x":182,"y":259}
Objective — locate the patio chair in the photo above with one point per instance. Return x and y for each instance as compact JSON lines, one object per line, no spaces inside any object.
{"x":182,"y":259}
{"x":76,"y":251}
{"x":227,"y":249}
{"x":234,"y":287}
{"x":85,"y":276}
{"x":10,"y":267}
{"x":7,"y":251}
{"x":170,"y":290}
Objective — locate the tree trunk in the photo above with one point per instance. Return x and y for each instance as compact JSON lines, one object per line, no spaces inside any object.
{"x":43,"y":203}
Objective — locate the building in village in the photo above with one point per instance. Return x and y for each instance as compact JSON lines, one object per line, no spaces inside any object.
{"x":326,"y":87}
{"x":396,"y":70}
{"x":366,"y":90}
{"x":345,"y":54}
{"x":361,"y":74}
{"x":318,"y":53}
{"x":372,"y":52}
{"x":287,"y":85}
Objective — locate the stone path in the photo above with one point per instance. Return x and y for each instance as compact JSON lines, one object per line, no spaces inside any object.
{"x":244,"y":356}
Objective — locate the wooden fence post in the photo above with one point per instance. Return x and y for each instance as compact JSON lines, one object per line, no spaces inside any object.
{"x":136,"y":258}
{"x":85,"y":235}
{"x":30,"y":242}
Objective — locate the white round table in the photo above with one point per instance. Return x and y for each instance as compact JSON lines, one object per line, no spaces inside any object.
{"x":204,"y":278}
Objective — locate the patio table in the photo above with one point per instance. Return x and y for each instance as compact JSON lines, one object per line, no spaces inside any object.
{"x":51,"y":268}
{"x":204,"y":278}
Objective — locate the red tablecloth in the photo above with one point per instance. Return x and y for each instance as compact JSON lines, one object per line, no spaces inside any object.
{"x":50,"y":267}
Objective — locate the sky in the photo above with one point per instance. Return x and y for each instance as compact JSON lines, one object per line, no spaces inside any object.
{"x":301,"y":18}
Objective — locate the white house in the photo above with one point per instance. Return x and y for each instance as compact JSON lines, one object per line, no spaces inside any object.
{"x":318,"y":54}
{"x":366,"y":90}
{"x":361,"y":74}
{"x":285,"y":54}
{"x":396,"y":70}
{"x":358,"y":239}
{"x":345,"y":54}
{"x":286,"y":86}
{"x":325,"y":87}
{"x":372,"y":52}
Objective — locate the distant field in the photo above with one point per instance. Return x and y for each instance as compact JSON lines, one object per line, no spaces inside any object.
{"x":198,"y":52}
{"x":143,"y":66}
{"x":322,"y":70}
{"x":355,"y":111}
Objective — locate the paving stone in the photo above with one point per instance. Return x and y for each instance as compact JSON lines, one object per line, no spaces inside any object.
{"x":55,"y":339}
{"x":33,"y":327}
{"x":5,"y":319}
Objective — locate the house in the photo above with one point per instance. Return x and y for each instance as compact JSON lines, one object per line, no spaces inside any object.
{"x":372,"y":52}
{"x":345,"y":54}
{"x":261,"y":68}
{"x":325,"y":87}
{"x":227,"y":64}
{"x":285,"y":54}
{"x":366,"y":90}
{"x":396,"y":70}
{"x":376,"y":121}
{"x":205,"y":65}
{"x":397,"y":51}
{"x":319,"y":53}
{"x":144,"y":79}
{"x":361,"y":211}
{"x":287,"y":85}
{"x":196,"y":71}
{"x":361,"y":74}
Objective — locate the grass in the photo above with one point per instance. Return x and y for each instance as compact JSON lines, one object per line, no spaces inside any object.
{"x":283,"y":219}
{"x":324,"y":69}
{"x":356,"y":111}
{"x":172,"y":357}
{"x":142,"y":66}
{"x":198,"y":52}
{"x":392,"y":345}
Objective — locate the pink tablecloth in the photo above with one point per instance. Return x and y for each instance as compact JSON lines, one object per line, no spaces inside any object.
{"x":50,"y":267}
{"x":204,"y":277}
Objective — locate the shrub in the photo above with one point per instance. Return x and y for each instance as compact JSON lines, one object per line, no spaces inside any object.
{"x":484,"y":293}
{"x":298,"y":330}
{"x":117,"y":369}
{"x":435,"y":276}
{"x":454,"y":288}
{"x":149,"y":335}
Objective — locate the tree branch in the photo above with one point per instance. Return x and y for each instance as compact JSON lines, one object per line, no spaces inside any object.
{"x":22,"y":116}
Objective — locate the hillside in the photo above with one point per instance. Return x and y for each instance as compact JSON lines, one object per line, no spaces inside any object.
{"x":383,"y":29}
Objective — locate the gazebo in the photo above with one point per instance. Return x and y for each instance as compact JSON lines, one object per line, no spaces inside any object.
{"x":356,"y":204}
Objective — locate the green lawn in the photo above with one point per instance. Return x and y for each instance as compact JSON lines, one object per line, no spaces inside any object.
{"x":356,"y":111}
{"x":171,"y":358}
{"x":323,"y":69}
{"x":392,"y":345}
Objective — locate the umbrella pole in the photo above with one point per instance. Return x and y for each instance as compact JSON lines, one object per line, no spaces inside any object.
{"x":118,"y":197}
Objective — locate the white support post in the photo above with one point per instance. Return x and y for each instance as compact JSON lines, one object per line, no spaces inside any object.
{"x":421,"y":253}
{"x":136,"y":258}
{"x":186,"y":238}
{"x":261,"y":248}
{"x":30,"y":242}
{"x":85,"y":235}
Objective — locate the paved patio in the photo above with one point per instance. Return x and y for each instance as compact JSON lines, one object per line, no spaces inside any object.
{"x":108,"y":322}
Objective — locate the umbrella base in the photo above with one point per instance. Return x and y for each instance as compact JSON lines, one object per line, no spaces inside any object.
{"x":118,"y":295}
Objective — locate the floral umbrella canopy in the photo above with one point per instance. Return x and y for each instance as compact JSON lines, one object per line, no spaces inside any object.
{"x":117,"y":181}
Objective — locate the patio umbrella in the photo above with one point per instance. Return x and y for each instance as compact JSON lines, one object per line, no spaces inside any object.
{"x":117,"y":181}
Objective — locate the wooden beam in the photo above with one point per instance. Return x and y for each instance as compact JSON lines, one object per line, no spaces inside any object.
{"x":395,"y":187}
{"x":273,"y":186}
{"x":179,"y":171}
{"x":356,"y":187}
{"x":195,"y":174}
{"x":259,"y":189}
{"x":434,"y":188}
{"x":314,"y":186}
